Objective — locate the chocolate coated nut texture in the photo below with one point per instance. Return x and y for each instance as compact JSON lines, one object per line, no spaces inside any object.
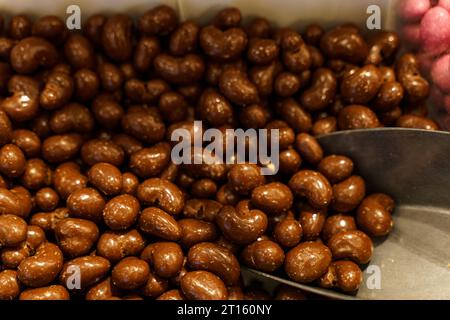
{"x":362,"y":85}
{"x":357,"y":117}
{"x":312,"y":221}
{"x":202,"y":209}
{"x":166,"y":258}
{"x":115,"y":245}
{"x":285,"y":292}
{"x":374,"y":214}
{"x":288,"y":232}
{"x":28,"y":141}
{"x":264,"y":255}
{"x":158,"y":223}
{"x":223,"y":45}
{"x":86,"y":203}
{"x":344,"y":43}
{"x":179,"y":70}
{"x":106,"y":177}
{"x":321,"y":92}
{"x":216,"y":259}
{"x":160,"y":20}
{"x":243,"y":178}
{"x":99,"y":150}
{"x":53,"y":292}
{"x":76,"y":237}
{"x":91,"y":270}
{"x":309,"y":148}
{"x":345,"y":275}
{"x":307,"y":262}
{"x":353,"y":244}
{"x":117,"y":37}
{"x":235,"y":85}
{"x":203,"y":285}
{"x":149,"y":162}
{"x":9,"y":285}
{"x":13,"y":230}
{"x":31,"y":53}
{"x":241,"y":224}
{"x":130,"y":273}
{"x":12,"y":161}
{"x":60,"y":148}
{"x":312,"y":185}
{"x":162,"y":193}
{"x":337,"y":223}
{"x":272,"y":198}
{"x":417,"y":122}
{"x":6,"y":130}
{"x":348,"y":194}
{"x":23,"y":104}
{"x":407,"y":71}
{"x":121,"y":212}
{"x":41,"y":268}
{"x":335,"y":167}
{"x":195,"y":231}
{"x":145,"y":124}
{"x":85,"y":125}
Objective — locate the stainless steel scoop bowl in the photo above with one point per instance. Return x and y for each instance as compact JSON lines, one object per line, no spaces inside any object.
{"x":413,"y":166}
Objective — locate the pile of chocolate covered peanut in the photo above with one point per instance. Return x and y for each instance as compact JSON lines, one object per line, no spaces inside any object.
{"x":91,"y":205}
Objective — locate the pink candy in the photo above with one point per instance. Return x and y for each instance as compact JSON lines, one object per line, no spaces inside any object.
{"x":440,"y":73}
{"x":413,"y":10}
{"x":435,"y":31}
{"x":444,"y":4}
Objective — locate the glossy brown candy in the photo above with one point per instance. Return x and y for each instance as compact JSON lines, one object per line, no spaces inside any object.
{"x":352,"y":244}
{"x":115,"y":245}
{"x":374,"y":214}
{"x":13,"y":230}
{"x":362,"y":85}
{"x":216,"y":259}
{"x":90,"y":269}
{"x":89,"y":195}
{"x":357,"y":117}
{"x":344,"y":43}
{"x":307,"y":262}
{"x":158,"y":223}
{"x":243,"y":178}
{"x":195,"y":231}
{"x":285,"y":292}
{"x":288,"y":232}
{"x":336,"y":167}
{"x":130,"y":273}
{"x":166,"y":258}
{"x":53,"y":292}
{"x":337,"y":223}
{"x":241,"y":224}
{"x":203,"y":285}
{"x":264,"y":255}
{"x":272,"y":198}
{"x":9,"y":285}
{"x":312,"y":185}
{"x":12,"y":161}
{"x":348,"y":193}
{"x":86,"y":203}
{"x":345,"y":275}
{"x":41,"y":268}
{"x":121,"y":212}
{"x":162,"y":193}
{"x":312,"y":221}
{"x":76,"y":237}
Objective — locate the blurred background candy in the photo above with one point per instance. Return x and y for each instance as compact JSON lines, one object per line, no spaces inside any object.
{"x":426,"y":29}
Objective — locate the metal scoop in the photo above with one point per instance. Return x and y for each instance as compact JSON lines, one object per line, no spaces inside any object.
{"x":413,"y":166}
